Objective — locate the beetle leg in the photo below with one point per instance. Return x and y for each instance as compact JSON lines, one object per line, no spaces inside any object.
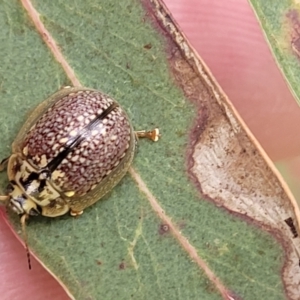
{"x":3,"y":163}
{"x":3,"y":198}
{"x":153,"y":135}
{"x":75,"y":213}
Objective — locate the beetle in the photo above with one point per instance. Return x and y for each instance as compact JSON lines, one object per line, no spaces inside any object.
{"x":73,"y":149}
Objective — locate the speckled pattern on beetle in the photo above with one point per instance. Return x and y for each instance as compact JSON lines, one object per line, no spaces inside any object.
{"x":73,"y":149}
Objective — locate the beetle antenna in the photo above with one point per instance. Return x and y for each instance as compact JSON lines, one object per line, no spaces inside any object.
{"x":23,"y":223}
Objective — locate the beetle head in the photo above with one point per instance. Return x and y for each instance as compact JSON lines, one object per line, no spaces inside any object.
{"x":19,"y":202}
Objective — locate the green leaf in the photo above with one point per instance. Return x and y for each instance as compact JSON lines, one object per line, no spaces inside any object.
{"x":280,"y":22}
{"x":121,"y":248}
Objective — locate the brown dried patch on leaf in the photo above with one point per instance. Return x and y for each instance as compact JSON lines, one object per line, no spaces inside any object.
{"x":98,"y":262}
{"x":225,"y":160}
{"x":122,"y":266}
{"x":148,"y":46}
{"x":163,"y":229}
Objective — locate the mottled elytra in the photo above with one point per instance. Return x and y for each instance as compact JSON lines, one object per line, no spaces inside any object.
{"x":73,"y":149}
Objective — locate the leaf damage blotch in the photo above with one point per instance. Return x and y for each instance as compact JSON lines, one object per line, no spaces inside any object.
{"x":225,"y":161}
{"x":98,"y":262}
{"x":148,"y":46}
{"x":122,"y":266}
{"x":163,"y":229}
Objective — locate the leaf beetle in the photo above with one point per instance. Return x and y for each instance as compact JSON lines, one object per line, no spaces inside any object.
{"x":73,"y":149}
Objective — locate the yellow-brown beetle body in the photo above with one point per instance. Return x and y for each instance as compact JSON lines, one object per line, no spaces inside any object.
{"x":73,"y":149}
